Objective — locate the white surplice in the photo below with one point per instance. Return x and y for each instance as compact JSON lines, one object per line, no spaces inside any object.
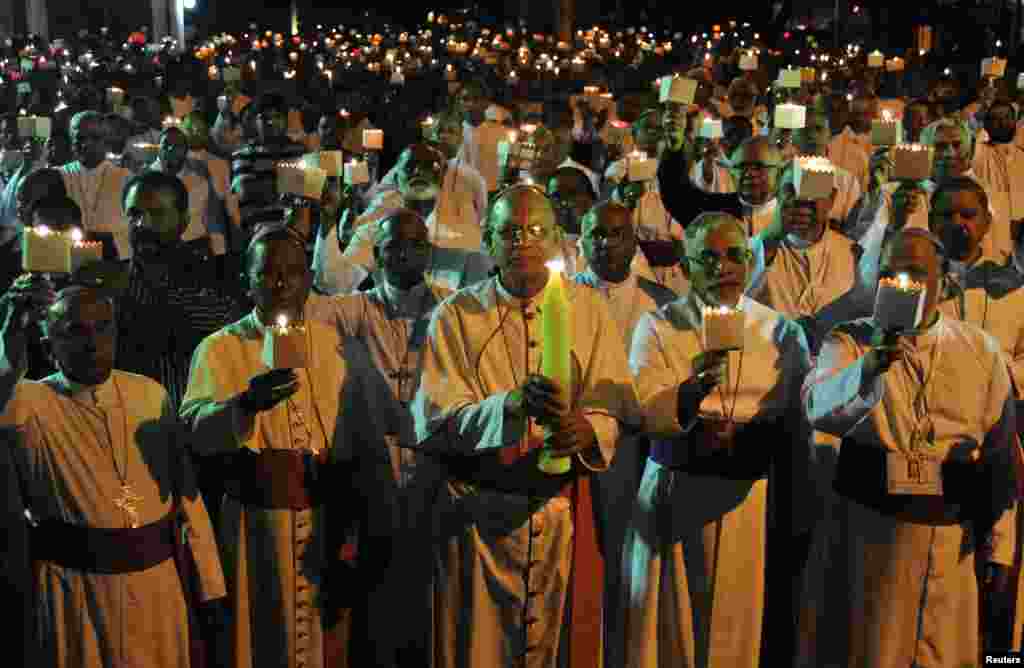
{"x":275,"y":559}
{"x":398,"y":482}
{"x":97,"y":192}
{"x":887,"y":592}
{"x":1001,"y":168}
{"x":482,"y":344}
{"x":852,"y":152}
{"x":480,"y":149}
{"x":694,"y":558}
{"x":67,"y":449}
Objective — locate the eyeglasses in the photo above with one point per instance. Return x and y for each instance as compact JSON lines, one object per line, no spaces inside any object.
{"x":611,"y":237}
{"x":520,"y":234}
{"x":710,"y":260}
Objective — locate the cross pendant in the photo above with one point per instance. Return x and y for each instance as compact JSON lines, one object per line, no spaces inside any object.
{"x":127,"y":503}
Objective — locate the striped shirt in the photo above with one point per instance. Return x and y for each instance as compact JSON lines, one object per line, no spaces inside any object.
{"x":160,"y":326}
{"x":259,"y":204}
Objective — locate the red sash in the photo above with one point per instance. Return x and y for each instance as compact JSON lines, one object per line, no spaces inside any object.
{"x":586,"y":579}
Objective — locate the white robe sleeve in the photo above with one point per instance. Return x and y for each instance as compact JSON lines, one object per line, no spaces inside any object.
{"x":657,"y":383}
{"x":333,"y":273}
{"x":832,"y":393}
{"x":449,"y":412}
{"x":211,"y":403}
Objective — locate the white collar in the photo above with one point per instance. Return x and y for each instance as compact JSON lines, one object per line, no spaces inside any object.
{"x":590,"y":277}
{"x":404,"y":302}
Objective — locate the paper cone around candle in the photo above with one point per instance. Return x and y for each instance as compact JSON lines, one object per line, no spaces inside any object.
{"x":48,"y":253}
{"x":898,"y":308}
{"x":306,"y":182}
{"x":677,"y":89}
{"x":814,"y":177}
{"x":285,"y":347}
{"x":886,"y":133}
{"x":911,"y":162}
{"x":357,"y":173}
{"x":790,"y":116}
{"x":722,"y":328}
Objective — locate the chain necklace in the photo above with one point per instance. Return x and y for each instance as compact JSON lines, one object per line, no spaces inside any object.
{"x":404,"y":334}
{"x":91,"y":209}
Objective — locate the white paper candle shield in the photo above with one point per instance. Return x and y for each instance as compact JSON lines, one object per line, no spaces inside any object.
{"x":789,"y":79}
{"x":231,"y":74}
{"x":711,"y":128}
{"x":45,"y":251}
{"x":993,"y":67}
{"x":814,"y":177}
{"x":899,"y":304}
{"x":808,"y":74}
{"x":894,"y":64}
{"x":677,"y":89}
{"x":748,"y":62}
{"x":397,"y":79}
{"x":641,"y":168}
{"x":722,"y":328}
{"x":115,"y":96}
{"x":26,"y":126}
{"x":373,"y":140}
{"x":297,"y":179}
{"x":911,"y":162}
{"x":84,"y":253}
{"x":790,"y":116}
{"x":876,"y":59}
{"x":331,"y":162}
{"x":284,"y":346}
{"x":886,"y":132}
{"x":357,"y":173}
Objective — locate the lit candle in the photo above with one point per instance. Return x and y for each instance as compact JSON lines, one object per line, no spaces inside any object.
{"x":45,"y":251}
{"x":284,"y":345}
{"x":84,"y":252}
{"x":556,"y":325}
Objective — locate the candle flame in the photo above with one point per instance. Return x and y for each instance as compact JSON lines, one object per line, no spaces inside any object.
{"x":903,"y":281}
{"x":76,"y":235}
{"x":42,"y":230}
{"x":282,"y":321}
{"x":529,"y":128}
{"x":557,"y":265}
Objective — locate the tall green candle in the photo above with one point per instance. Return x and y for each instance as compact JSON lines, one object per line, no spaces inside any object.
{"x":556,"y":363}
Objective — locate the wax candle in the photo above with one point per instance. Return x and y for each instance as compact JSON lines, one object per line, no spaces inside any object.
{"x":899,"y":304}
{"x":45,"y":251}
{"x":373,"y":140}
{"x":722,"y":328}
{"x":284,"y":345}
{"x":84,"y":252}
{"x":876,"y":59}
{"x":556,"y":362}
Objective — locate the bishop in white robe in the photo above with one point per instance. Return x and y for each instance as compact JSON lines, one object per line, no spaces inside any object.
{"x":926,"y":425}
{"x":694,"y":558}
{"x":518,"y":577}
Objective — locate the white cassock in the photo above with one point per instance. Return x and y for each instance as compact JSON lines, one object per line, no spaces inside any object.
{"x":339,"y":273}
{"x":276,"y":559}
{"x":220,"y":176}
{"x":97,"y":192}
{"x":894,"y":588}
{"x":820,"y":285}
{"x":456,"y":218}
{"x":1000,"y":167}
{"x":202,"y":213}
{"x":852,"y":152}
{"x":67,"y":450}
{"x":480,"y":149}
{"x":482,"y":344}
{"x":694,"y":559}
{"x":398,"y":482}
{"x":615,"y":489}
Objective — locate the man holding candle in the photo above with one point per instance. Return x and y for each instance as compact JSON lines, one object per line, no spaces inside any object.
{"x":253,"y":167}
{"x":724,"y":421}
{"x":421,"y":171}
{"x":925,"y":478}
{"x":99,"y":493}
{"x":851,"y":149}
{"x":518,"y":547}
{"x":95,"y":183}
{"x":289,"y":436}
{"x":391,"y":321}
{"x":999,"y":163}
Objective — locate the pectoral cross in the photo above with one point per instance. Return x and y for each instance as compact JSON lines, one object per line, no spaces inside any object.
{"x":127,"y":503}
{"x":914,"y":470}
{"x":401,"y":375}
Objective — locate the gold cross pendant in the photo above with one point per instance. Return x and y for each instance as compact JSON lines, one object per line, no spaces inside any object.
{"x":127,"y":503}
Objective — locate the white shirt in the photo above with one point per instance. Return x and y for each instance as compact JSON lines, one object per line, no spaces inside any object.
{"x":97,"y":192}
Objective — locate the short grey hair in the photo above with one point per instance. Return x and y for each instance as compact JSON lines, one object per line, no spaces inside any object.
{"x":707,"y":222}
{"x":931,"y":131}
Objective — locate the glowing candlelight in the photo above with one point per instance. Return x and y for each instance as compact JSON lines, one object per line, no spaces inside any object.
{"x":556,"y":365}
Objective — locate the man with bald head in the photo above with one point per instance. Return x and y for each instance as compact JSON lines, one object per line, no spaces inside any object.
{"x":756,"y":163}
{"x":288,"y":436}
{"x":925,"y":480}
{"x":95,"y":183}
{"x":390,"y":321}
{"x":98,"y":488}
{"x":518,"y":549}
{"x":451,"y":220}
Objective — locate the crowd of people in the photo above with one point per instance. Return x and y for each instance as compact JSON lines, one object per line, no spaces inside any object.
{"x":829,"y":490}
